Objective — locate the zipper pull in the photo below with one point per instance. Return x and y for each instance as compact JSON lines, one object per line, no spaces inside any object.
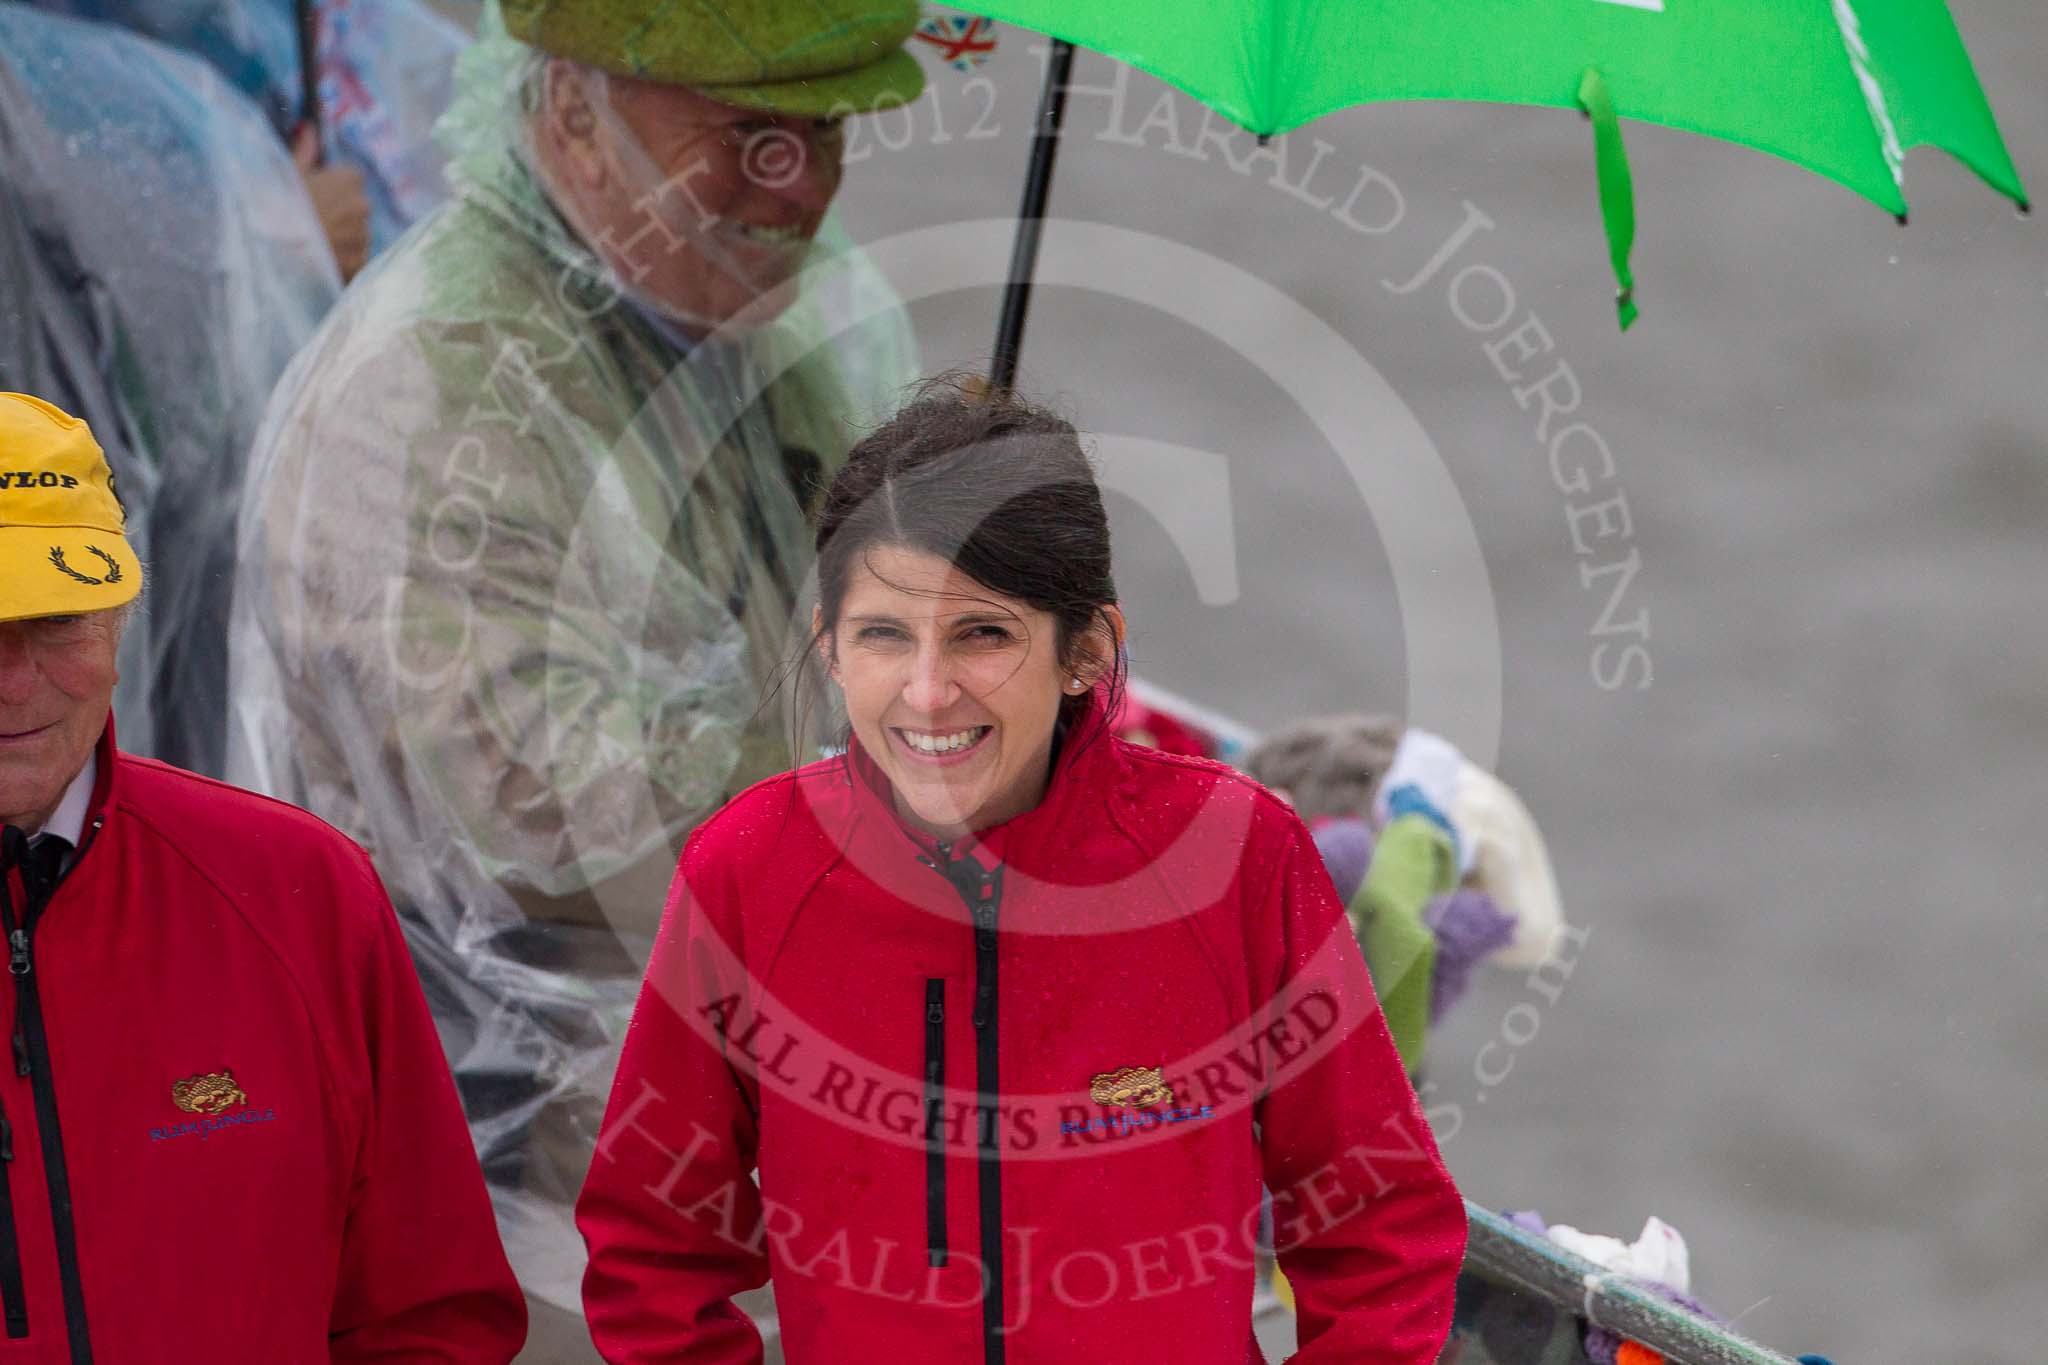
{"x":19,"y":963}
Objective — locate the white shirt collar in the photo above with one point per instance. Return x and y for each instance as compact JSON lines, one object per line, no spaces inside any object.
{"x":67,"y":822}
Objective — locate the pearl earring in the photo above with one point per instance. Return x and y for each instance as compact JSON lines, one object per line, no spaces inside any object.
{"x":1075,"y":685}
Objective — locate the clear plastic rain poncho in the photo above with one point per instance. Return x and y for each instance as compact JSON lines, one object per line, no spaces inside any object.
{"x":386,"y":73}
{"x":518,"y":563}
{"x":159,"y":264}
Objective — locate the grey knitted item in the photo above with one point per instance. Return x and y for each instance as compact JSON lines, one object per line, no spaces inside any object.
{"x":1329,"y":765}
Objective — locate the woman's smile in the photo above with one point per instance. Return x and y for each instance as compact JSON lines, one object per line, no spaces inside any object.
{"x":942,"y":748}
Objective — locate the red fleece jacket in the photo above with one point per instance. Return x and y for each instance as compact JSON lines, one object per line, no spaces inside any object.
{"x":229,"y":1131}
{"x":1013,"y":1101}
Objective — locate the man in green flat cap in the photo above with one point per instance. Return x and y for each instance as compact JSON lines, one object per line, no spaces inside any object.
{"x":524,"y":528}
{"x":697,"y":146}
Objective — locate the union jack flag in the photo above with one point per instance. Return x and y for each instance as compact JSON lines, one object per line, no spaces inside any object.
{"x":963,"y":41}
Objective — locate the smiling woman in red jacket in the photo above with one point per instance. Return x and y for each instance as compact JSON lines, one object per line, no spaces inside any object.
{"x":981,"y":1041}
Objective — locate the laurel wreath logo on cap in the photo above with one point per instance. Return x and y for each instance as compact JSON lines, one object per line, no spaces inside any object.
{"x":113,"y":566}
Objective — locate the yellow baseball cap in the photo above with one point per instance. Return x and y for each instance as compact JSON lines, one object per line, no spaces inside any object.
{"x":63,"y":546}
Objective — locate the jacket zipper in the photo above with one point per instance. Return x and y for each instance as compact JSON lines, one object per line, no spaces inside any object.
{"x":12,"y":1295}
{"x":934,"y":1104}
{"x":982,"y":891}
{"x":32,"y":1059}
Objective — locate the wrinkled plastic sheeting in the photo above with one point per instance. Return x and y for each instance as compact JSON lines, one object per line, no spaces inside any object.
{"x":252,"y":44}
{"x":386,"y":73}
{"x":518,"y":564}
{"x":162,"y":264}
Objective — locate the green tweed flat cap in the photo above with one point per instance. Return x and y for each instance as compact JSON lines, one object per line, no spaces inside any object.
{"x":811,"y":58}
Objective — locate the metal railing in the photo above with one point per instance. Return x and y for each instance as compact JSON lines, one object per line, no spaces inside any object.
{"x":1505,"y":1254}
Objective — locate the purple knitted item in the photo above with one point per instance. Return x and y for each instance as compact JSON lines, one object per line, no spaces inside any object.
{"x":1468,"y":926}
{"x":1346,"y":846}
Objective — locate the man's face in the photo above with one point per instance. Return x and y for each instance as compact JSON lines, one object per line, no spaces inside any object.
{"x":56,"y":684}
{"x":700,"y":207}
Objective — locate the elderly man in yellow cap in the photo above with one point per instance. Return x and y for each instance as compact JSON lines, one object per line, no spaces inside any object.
{"x":214,"y":1017}
{"x":68,"y":583}
{"x":527,"y":522}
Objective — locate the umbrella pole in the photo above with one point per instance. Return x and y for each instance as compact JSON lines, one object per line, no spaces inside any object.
{"x":1045,"y":142}
{"x":306,"y":16}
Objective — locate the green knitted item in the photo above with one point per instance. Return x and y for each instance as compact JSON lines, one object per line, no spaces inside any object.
{"x":1412,"y":865}
{"x":811,"y":58}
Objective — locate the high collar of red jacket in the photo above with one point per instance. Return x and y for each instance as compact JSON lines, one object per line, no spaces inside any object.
{"x":1084,"y":771}
{"x":107,"y":754}
{"x":101,"y":805}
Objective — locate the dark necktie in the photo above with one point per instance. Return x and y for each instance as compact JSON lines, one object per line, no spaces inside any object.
{"x":41,"y":862}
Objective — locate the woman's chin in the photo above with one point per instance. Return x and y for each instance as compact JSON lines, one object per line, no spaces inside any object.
{"x":938,"y":808}
{"x":942,"y":819}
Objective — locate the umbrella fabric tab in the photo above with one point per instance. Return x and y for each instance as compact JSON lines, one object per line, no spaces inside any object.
{"x":1617,"y":191}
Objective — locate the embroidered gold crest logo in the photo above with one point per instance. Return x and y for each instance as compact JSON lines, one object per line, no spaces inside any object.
{"x":209,"y":1094}
{"x":1134,"y":1087}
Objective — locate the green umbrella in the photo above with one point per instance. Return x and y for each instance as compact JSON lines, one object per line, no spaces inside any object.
{"x":1842,"y":87}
